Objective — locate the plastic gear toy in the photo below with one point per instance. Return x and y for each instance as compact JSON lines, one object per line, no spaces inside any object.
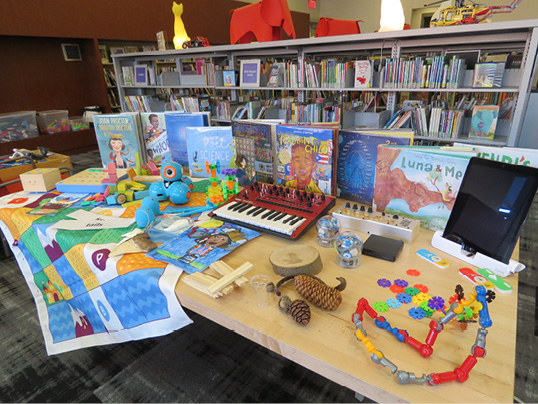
{"x":401,"y":282}
{"x":394,"y":303}
{"x":466,"y":315}
{"x":421,"y":298}
{"x":384,"y":283}
{"x":404,"y":298}
{"x":436,"y":303}
{"x":490,"y":296}
{"x":380,"y":306}
{"x":422,"y":288}
{"x":417,"y":313}
{"x":411,"y":291}
{"x":413,"y":272}
{"x":396,"y":289}
{"x":427,"y":311}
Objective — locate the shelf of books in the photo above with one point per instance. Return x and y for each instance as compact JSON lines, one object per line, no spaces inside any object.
{"x":466,"y":83}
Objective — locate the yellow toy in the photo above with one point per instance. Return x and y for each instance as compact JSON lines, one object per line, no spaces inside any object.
{"x":455,"y":12}
{"x":40,"y":179}
{"x":180,"y":33}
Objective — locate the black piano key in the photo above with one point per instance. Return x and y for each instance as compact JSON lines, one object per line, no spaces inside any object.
{"x":235,"y":208}
{"x":250,"y":211}
{"x":273,"y":215}
{"x":234,"y":205}
{"x":267,"y":214}
{"x":289,"y":218}
{"x":295,"y":220}
{"x":258,"y":212}
{"x":280,"y":216}
{"x":242,"y":209}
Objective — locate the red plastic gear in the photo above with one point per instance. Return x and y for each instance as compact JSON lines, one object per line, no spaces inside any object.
{"x":422,"y":288}
{"x":413,"y":272}
{"x":396,"y":289}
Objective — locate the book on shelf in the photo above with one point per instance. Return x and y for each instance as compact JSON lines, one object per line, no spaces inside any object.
{"x":277,"y":75}
{"x":140,"y":75}
{"x":128,"y":75}
{"x":176,"y":124}
{"x":155,"y":136}
{"x":305,"y":157}
{"x":119,"y":137}
{"x":228,"y":77}
{"x":255,"y":148}
{"x":484,"y":121}
{"x":143,"y":103}
{"x":357,"y":155}
{"x":250,"y":73}
{"x":209,"y":144}
{"x":363,"y":73}
{"x":419,"y":182}
{"x":104,"y":54}
{"x":488,"y":75}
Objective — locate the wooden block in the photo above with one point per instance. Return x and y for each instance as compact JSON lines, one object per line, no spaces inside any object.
{"x":40,"y":179}
{"x":202,"y":281}
{"x":227,"y":279}
{"x":148,"y":178}
{"x":131,"y":173}
{"x":296,"y":260}
{"x":224,"y":269}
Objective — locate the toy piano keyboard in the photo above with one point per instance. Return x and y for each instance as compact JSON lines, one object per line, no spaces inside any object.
{"x":277,"y":210}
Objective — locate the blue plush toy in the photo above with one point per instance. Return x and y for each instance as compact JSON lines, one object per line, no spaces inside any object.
{"x":175,"y":186}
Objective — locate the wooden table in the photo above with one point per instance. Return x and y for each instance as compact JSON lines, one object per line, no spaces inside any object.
{"x":327,"y":345}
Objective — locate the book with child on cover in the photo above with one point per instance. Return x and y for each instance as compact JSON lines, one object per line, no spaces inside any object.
{"x":305,"y":157}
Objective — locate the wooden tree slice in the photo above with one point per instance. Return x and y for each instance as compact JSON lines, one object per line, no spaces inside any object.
{"x":296,"y":260}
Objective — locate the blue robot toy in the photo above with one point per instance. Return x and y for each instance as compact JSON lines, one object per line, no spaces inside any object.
{"x":175,"y":186}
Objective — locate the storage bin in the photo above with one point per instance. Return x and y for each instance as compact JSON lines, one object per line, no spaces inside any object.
{"x":78,"y":123}
{"x":53,"y":121}
{"x":18,"y":125}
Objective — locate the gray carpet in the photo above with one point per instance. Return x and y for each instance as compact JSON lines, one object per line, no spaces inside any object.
{"x":203,"y":362}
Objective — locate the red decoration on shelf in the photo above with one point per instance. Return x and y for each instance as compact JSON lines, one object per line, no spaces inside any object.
{"x":262,"y":20}
{"x":331,"y":27}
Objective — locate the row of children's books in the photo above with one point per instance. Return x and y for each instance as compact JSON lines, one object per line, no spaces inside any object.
{"x":379,"y":167}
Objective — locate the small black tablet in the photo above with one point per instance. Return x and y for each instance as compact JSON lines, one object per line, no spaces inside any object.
{"x":382,"y":247}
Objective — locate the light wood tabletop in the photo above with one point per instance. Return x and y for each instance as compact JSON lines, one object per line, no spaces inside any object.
{"x":328,"y":346}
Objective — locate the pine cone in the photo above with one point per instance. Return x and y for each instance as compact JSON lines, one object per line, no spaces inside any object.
{"x":300,"y":311}
{"x":317,"y":292}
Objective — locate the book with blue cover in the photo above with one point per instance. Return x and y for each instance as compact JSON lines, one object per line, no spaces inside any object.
{"x":357,"y":155}
{"x":176,"y":124}
{"x":119,"y":138}
{"x":155,"y":136}
{"x":305,"y":157}
{"x":209,"y":144}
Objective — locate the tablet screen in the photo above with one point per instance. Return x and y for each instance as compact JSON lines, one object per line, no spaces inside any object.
{"x":491,"y":207}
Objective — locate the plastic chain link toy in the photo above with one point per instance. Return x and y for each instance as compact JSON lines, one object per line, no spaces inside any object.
{"x":461,"y":374}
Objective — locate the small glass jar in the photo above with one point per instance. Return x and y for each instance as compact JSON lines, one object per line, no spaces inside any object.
{"x":328,"y":230}
{"x":348,"y":246}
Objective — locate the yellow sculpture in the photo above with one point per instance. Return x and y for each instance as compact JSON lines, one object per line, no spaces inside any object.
{"x":180,"y":33}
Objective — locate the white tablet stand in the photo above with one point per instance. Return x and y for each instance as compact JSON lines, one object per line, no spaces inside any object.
{"x":479,"y":260}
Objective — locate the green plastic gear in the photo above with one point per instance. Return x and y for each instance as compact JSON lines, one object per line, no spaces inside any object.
{"x":466,"y":315}
{"x":427,"y":311}
{"x":411,"y":291}
{"x":380,"y":306}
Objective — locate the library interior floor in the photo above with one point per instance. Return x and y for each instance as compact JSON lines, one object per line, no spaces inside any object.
{"x":203,"y":362}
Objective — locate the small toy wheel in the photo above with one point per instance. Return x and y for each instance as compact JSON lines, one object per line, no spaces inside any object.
{"x":121,"y":199}
{"x":185,"y":45}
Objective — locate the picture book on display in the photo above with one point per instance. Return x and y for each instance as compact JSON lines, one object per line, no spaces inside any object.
{"x":419,"y":182}
{"x":254,"y":150}
{"x":155,"y":137}
{"x":357,"y":156}
{"x":305,"y":158}
{"x":363,"y":73}
{"x":212,"y":144}
{"x":119,"y":137}
{"x":176,"y":122}
{"x":484,"y":121}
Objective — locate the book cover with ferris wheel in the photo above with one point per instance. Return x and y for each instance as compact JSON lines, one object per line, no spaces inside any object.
{"x":357,"y":155}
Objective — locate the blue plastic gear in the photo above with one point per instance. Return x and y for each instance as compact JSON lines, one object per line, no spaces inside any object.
{"x":404,"y":298}
{"x":380,"y":306}
{"x":394,"y":303}
{"x":417,"y":313}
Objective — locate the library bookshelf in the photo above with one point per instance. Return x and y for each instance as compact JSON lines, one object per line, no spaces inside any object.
{"x":198,"y":71}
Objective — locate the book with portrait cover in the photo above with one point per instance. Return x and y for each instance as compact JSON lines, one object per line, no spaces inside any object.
{"x":155,"y":137}
{"x":254,"y":146}
{"x":305,"y":157}
{"x":119,"y":137}
{"x":484,"y":121}
{"x":176,"y":124}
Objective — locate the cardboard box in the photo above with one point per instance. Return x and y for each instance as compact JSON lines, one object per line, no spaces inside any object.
{"x":40,"y":179}
{"x":11,"y":171}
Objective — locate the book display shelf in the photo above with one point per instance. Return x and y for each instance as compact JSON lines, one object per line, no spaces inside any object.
{"x":317,"y":82}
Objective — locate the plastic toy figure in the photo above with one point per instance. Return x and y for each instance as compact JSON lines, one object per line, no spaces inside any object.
{"x":455,"y":12}
{"x":175,"y":186}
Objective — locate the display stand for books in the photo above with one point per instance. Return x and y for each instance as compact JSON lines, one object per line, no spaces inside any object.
{"x":479,"y":260}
